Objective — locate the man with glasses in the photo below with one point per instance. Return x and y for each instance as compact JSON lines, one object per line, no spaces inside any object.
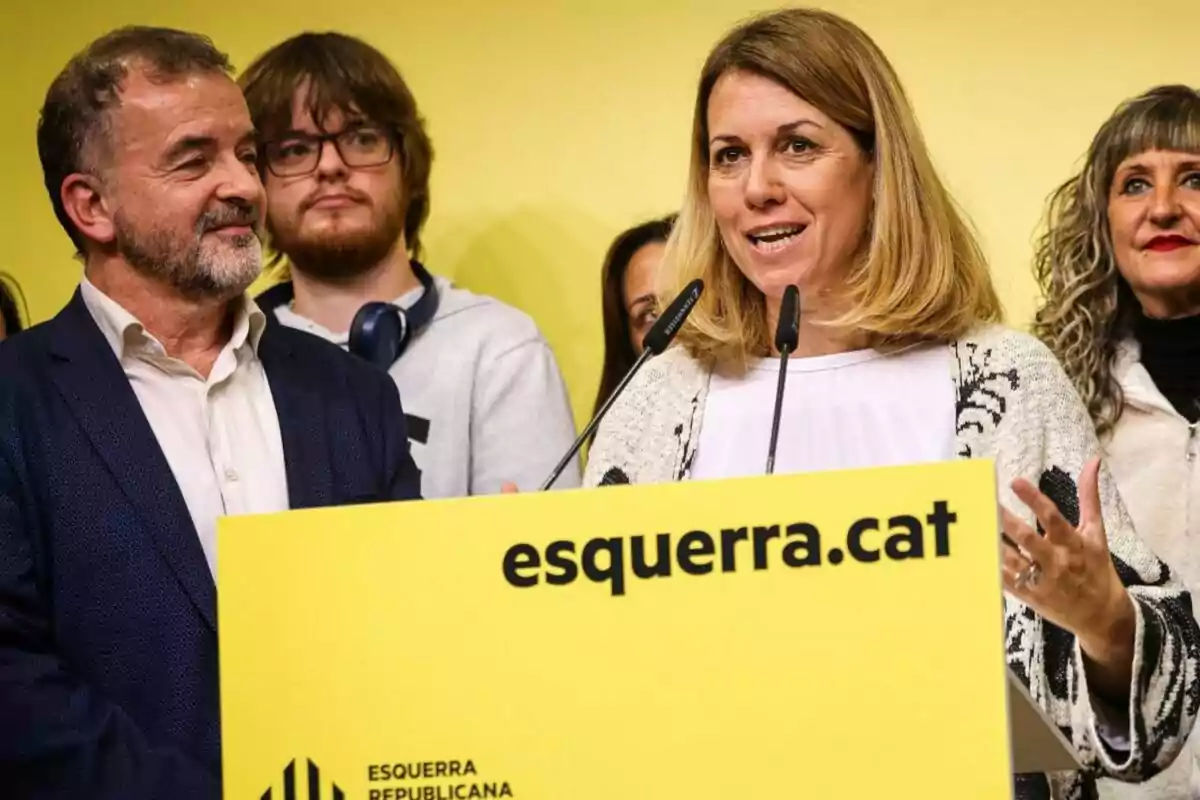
{"x":345,"y":159}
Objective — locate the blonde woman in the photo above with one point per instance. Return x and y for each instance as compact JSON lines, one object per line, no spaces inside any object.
{"x":808,"y":169}
{"x":1119,"y":263}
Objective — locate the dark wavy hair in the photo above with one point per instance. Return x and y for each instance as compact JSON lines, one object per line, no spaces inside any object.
{"x":10,"y":296}
{"x":619,"y":354}
{"x":1087,"y":307}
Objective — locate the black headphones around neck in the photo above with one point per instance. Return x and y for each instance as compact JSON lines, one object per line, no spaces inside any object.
{"x":380,"y":332}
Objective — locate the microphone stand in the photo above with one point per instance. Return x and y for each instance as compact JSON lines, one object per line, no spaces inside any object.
{"x":787,"y":336}
{"x":783,"y":360}
{"x":591,"y":426}
{"x":653,"y":343}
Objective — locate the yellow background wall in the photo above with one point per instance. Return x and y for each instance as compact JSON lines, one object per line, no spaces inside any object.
{"x":556,"y":124}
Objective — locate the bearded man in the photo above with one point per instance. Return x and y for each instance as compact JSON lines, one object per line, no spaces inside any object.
{"x":156,"y":402}
{"x":346,"y":161}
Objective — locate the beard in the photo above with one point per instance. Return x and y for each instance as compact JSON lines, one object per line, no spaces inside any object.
{"x":336,"y":256}
{"x":198,"y":266}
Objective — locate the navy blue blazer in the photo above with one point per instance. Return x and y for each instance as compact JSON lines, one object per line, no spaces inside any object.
{"x":108,"y":637}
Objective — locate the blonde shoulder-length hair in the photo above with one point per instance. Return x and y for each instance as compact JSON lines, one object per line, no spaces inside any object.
{"x":922,"y":274}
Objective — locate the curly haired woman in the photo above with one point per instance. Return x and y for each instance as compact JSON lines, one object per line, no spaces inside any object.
{"x":1119,"y":264}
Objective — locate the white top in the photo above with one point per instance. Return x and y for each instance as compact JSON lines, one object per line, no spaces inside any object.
{"x":482,"y":393}
{"x":1154,"y":455}
{"x":220,"y":435}
{"x":844,"y":411}
{"x":1013,"y":406}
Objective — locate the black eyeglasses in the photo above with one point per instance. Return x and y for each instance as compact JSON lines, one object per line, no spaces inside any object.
{"x":299,"y":153}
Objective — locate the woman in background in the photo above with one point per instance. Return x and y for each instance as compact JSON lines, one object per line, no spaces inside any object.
{"x":1119,"y":264}
{"x":10,"y":316}
{"x":629,"y":303}
{"x":808,"y":169}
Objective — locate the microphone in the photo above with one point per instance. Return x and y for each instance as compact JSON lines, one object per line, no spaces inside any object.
{"x":653,"y":343}
{"x":787,"y":336}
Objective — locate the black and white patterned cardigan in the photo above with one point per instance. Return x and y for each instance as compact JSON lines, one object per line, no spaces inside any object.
{"x":1014,"y":405}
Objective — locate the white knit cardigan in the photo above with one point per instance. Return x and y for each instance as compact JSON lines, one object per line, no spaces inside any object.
{"x":1015,"y":405}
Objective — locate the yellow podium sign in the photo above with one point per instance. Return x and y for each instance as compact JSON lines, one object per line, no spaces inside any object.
{"x":813,"y":636}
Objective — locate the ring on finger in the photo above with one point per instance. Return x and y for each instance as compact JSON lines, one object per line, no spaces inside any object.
{"x":1029,"y":576}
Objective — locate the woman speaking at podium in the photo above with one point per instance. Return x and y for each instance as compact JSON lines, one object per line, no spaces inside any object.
{"x":808,"y":169}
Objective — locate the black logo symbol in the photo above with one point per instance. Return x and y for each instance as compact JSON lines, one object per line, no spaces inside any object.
{"x":314,"y":784}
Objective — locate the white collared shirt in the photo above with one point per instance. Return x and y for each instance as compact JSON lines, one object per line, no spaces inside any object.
{"x":220,"y":435}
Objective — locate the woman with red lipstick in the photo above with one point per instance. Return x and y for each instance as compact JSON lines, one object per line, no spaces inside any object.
{"x":808,"y":169}
{"x":1120,"y":267}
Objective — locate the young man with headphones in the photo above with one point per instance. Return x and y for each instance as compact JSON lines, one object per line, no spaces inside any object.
{"x":345,"y":160}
